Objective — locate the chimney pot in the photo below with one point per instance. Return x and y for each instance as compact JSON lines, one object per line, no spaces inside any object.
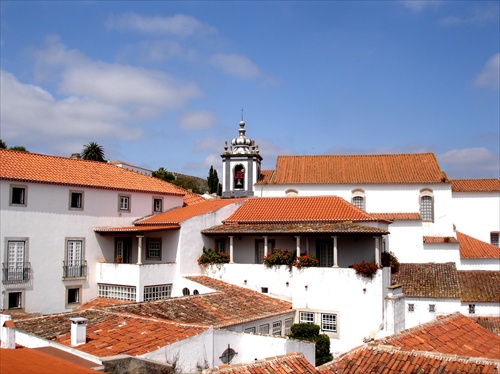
{"x":78,"y":331}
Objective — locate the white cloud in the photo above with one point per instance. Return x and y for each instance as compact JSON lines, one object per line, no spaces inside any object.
{"x":197,"y":120}
{"x":237,"y":65}
{"x":489,"y":76}
{"x":420,"y":5}
{"x":178,"y":25}
{"x":479,"y":16}
{"x":469,"y":162}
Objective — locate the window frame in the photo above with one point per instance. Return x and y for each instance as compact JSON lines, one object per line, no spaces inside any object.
{"x":411,"y":307}
{"x":288,"y":326}
{"x":148,"y":249}
{"x":275,"y":326}
{"x":358,"y":193}
{"x":426,"y":194}
{"x":249,"y":330}
{"x":20,"y":294}
{"x":24,"y":195}
{"x":78,"y":302}
{"x":121,"y":205}
{"x":334,"y":329}
{"x":495,"y":238}
{"x":156,"y":209}
{"x":17,"y":274}
{"x":73,"y":261}
{"x":220,"y":245}
{"x":432,"y":308}
{"x":70,"y":202}
{"x":472,"y":308}
{"x":264,"y":329}
{"x":303,"y":319}
{"x":271,"y":244}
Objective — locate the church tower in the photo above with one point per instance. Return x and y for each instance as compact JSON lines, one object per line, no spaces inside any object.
{"x":240,"y":166}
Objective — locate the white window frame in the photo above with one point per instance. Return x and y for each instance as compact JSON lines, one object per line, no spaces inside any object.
{"x":426,"y":205}
{"x":118,"y":292}
{"x":24,"y":195}
{"x":329,"y":322}
{"x":288,"y":326}
{"x":75,"y":257}
{"x":250,"y":330}
{"x":220,"y":245}
{"x":307,"y":317}
{"x":157,"y":204}
{"x":358,"y":198}
{"x":124,"y":202}
{"x":16,"y":260}
{"x":79,"y":202}
{"x":277,"y":328}
{"x":151,"y":251}
{"x":264,"y":329}
{"x":157,"y":292}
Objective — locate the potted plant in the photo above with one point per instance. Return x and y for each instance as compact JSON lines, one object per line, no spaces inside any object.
{"x":118,"y":259}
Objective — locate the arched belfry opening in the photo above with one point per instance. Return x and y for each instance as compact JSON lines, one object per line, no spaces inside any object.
{"x":240,"y":165}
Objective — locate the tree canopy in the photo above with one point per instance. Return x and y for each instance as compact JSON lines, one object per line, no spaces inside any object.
{"x":213,"y":181}
{"x":93,"y":152}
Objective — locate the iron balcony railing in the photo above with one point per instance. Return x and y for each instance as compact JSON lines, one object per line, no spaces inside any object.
{"x":75,"y":271}
{"x":19,"y":273}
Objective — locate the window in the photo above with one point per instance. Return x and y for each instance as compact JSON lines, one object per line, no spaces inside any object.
{"x":432,"y":308}
{"x":16,"y":269}
{"x":291,"y":192}
{"x":124,"y":203}
{"x":157,"y":205}
{"x":112,"y":291}
{"x":329,"y":322}
{"x":277,"y":328}
{"x":494,"y":239}
{"x":426,"y":205}
{"x":73,"y":296}
{"x":264,"y":329}
{"x":411,"y":308}
{"x":185,"y":291}
{"x":250,"y":330}
{"x":472,"y":308}
{"x":153,"y":249}
{"x":15,"y":300}
{"x":239,"y":177}
{"x":157,"y":292}
{"x":288,"y":325}
{"x":220,"y":245}
{"x":259,"y":249}
{"x":196,"y":292}
{"x":74,"y":266}
{"x":325,"y":253}
{"x":18,"y":195}
{"x":358,"y":198}
{"x":76,"y":200}
{"x":264,"y":289}
{"x":306,"y":317}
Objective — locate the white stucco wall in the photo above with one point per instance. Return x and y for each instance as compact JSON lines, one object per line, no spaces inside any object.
{"x":421,"y":312}
{"x":479,"y":264}
{"x":482,"y":309}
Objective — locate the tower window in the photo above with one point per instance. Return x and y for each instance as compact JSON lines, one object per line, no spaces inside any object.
{"x":239,"y":177}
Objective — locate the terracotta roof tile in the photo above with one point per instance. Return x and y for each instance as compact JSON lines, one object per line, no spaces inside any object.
{"x":479,"y":285}
{"x":475,"y":248}
{"x":432,"y":280}
{"x":357,"y":169}
{"x":38,"y":168}
{"x":451,"y":334}
{"x":439,"y":239}
{"x":298,"y":209}
{"x":398,"y":216}
{"x":290,"y":363}
{"x":491,"y":323}
{"x":475,"y":185}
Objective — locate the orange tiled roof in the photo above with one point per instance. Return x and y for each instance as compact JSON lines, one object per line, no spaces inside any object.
{"x":433,"y":280}
{"x":298,"y":209}
{"x":24,"y":360}
{"x":357,"y":169}
{"x":451,"y":334}
{"x":38,"y":168}
{"x":479,"y":285}
{"x":398,"y":216}
{"x":475,"y":248}
{"x":475,"y":185}
{"x":290,"y":363}
{"x":439,"y":239}
{"x":491,"y":323}
{"x":388,"y":360}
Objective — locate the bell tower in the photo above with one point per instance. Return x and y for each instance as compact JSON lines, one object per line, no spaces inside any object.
{"x":240,"y":165}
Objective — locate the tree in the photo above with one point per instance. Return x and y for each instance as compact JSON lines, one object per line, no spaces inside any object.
{"x":310,"y":332}
{"x":213,"y":181}
{"x":162,"y":173}
{"x":93,"y":152}
{"x":19,"y":148}
{"x":3,"y":145}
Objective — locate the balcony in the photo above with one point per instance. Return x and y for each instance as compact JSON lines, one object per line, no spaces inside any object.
{"x":16,"y":274}
{"x":74,"y":271}
{"x":137,"y":275}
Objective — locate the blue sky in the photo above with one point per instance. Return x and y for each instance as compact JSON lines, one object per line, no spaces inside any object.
{"x":162,"y":83}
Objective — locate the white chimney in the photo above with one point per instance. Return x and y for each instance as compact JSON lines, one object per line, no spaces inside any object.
{"x":78,"y":331}
{"x":8,"y":335}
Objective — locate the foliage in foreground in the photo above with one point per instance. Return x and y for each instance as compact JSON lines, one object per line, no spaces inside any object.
{"x":310,"y":332}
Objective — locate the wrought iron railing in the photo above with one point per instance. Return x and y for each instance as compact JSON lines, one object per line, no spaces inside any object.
{"x":75,"y":271}
{"x":19,"y":273}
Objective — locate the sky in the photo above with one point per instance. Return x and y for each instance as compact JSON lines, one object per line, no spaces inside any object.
{"x":165,"y":83}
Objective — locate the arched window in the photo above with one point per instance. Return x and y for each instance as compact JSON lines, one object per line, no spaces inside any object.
{"x":185,"y":291}
{"x":358,"y":198}
{"x":426,"y":205}
{"x":239,"y":177}
{"x":291,"y":192}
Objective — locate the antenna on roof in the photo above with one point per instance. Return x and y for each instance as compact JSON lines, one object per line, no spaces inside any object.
{"x":242,"y":114}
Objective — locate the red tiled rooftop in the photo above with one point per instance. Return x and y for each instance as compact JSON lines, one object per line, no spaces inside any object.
{"x":439,"y":239}
{"x":290,"y":363}
{"x":357,"y":169}
{"x":475,"y":185}
{"x":451,"y":334}
{"x":298,"y":209}
{"x":398,"y":216}
{"x":475,"y":248}
{"x":38,"y":168}
{"x":491,"y":323}
{"x":479,"y":286}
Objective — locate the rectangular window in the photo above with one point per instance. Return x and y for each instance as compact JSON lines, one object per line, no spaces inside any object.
{"x":264,"y":290}
{"x":15,"y":300}
{"x":427,"y":208}
{"x":260,"y":250}
{"x":157,"y":205}
{"x":16,"y":269}
{"x":220,"y":245}
{"x":18,"y":195}
{"x":277,"y":328}
{"x":472,"y":308}
{"x":494,"y":240}
{"x":325,"y":254}
{"x":306,"y":317}
{"x":264,"y":329}
{"x":329,"y":322}
{"x":73,"y":296}
{"x":124,"y":203}
{"x":157,"y":292}
{"x":76,"y":200}
{"x":154,"y":249}
{"x":411,"y":308}
{"x":112,"y":291}
{"x":74,"y":266}
{"x":288,"y":325}
{"x":250,"y":330}
{"x":432,"y":308}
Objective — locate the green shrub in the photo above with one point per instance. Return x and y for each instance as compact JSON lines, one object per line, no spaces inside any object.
{"x":310,"y":332}
{"x":211,"y":256}
{"x":279,"y":257}
{"x":304,"y":331}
